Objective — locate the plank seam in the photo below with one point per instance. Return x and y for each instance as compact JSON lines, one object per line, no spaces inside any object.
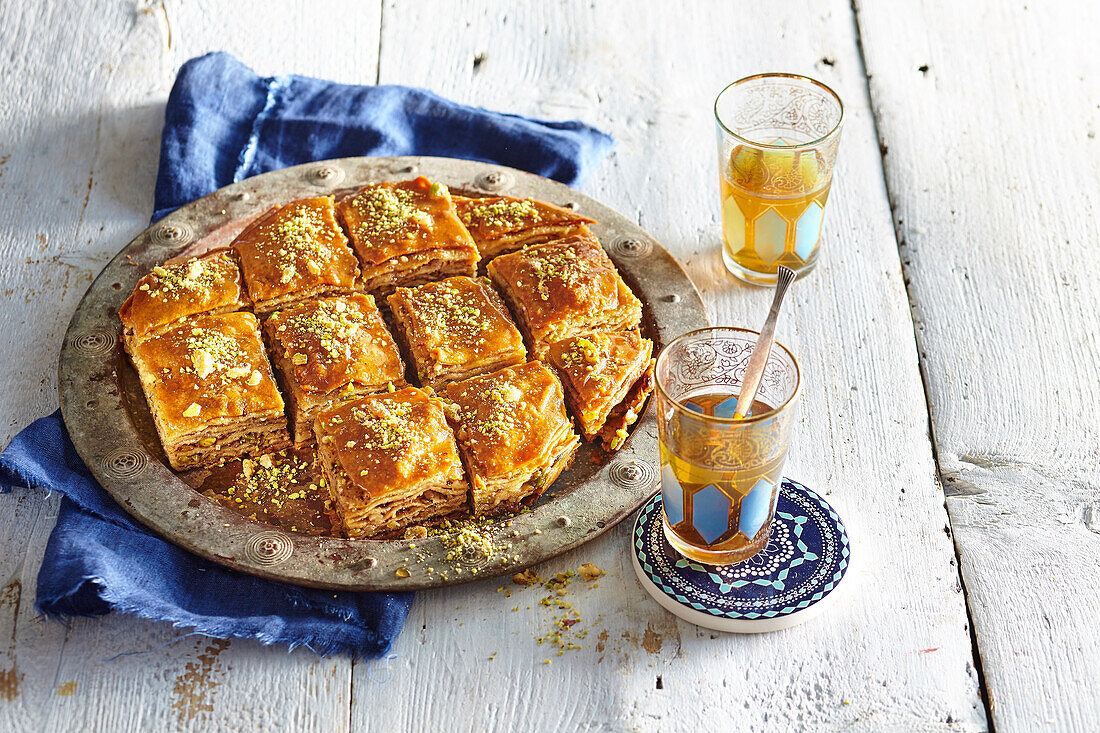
{"x":898,"y":235}
{"x":351,"y":694}
{"x":381,"y":28}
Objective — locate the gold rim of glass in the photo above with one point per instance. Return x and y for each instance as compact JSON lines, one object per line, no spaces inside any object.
{"x":745,"y":420}
{"x":780,"y":75}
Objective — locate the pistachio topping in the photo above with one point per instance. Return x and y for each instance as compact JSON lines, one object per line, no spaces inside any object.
{"x":620,"y":438}
{"x":444,"y":308}
{"x":384,"y":425}
{"x":388,"y":211}
{"x":501,"y":214}
{"x":212,"y":352}
{"x":335,"y":326}
{"x":188,"y":277}
{"x":593,"y":358}
{"x":491,"y":412}
{"x":297,"y":237}
{"x":561,"y":266}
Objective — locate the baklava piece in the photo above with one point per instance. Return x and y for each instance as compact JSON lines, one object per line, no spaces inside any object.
{"x":514,"y":435}
{"x":456,"y":329}
{"x":407,"y":234}
{"x":502,"y":224}
{"x":211,"y":392}
{"x":390,"y":462}
{"x":208,"y":283}
{"x":294,"y":253}
{"x":607,"y":378}
{"x":328,"y":351}
{"x":283,"y":489}
{"x":564,"y":288}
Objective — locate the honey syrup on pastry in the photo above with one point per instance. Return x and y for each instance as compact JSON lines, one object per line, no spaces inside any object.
{"x":390,"y":440}
{"x":447,"y":309}
{"x":507,"y":418}
{"x":386,"y":428}
{"x":336,"y":342}
{"x":293,"y":247}
{"x":564,"y":267}
{"x":593,"y":358}
{"x":333,"y":324}
{"x":372,"y":429}
{"x":491,"y":412}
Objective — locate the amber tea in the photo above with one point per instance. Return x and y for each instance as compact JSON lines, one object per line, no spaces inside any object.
{"x":773,"y":206}
{"x":718,"y":500}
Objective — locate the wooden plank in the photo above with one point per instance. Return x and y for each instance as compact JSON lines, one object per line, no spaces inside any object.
{"x":988,"y":113}
{"x":897,"y":653}
{"x":78,"y":160}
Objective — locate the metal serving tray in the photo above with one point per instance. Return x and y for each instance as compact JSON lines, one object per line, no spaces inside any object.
{"x":112,"y":430}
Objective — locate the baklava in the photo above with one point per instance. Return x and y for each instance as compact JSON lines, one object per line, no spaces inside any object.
{"x":283,"y":489}
{"x":207,"y":283}
{"x":390,"y":461}
{"x":330,"y":350}
{"x":564,"y":288}
{"x":294,"y":253}
{"x":607,"y":378}
{"x":455,"y":329}
{"x":406,"y":234}
{"x":514,"y":435}
{"x":502,"y":224}
{"x":211,"y":391}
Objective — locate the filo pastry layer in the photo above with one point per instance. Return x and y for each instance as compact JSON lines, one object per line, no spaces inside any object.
{"x":390,"y":462}
{"x":514,"y":435}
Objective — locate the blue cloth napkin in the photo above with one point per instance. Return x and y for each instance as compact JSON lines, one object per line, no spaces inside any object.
{"x":224,"y":123}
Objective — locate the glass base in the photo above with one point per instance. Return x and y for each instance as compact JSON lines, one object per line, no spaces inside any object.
{"x":764,"y":278}
{"x":727,"y":557}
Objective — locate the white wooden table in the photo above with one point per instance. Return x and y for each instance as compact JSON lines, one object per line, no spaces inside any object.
{"x":949,"y":339}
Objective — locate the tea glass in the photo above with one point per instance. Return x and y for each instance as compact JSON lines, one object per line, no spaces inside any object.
{"x":720,"y":477}
{"x":777,"y":144}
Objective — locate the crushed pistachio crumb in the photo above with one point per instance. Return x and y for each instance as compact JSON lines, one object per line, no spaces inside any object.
{"x":500,"y":214}
{"x":386,"y":211}
{"x":190,"y":276}
{"x":527,"y":577}
{"x":330,"y":323}
{"x":589,"y":572}
{"x":211,"y":351}
{"x":556,"y":266}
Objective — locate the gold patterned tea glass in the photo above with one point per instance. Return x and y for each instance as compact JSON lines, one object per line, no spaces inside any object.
{"x":719,"y":476}
{"x":777,"y":143}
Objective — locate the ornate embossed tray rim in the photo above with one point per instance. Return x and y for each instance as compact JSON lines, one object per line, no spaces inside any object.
{"x":96,"y":389}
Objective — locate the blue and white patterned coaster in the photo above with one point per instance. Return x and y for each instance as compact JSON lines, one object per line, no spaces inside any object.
{"x":786,"y":583}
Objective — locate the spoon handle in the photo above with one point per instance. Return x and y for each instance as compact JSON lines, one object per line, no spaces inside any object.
{"x":755,"y":370}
